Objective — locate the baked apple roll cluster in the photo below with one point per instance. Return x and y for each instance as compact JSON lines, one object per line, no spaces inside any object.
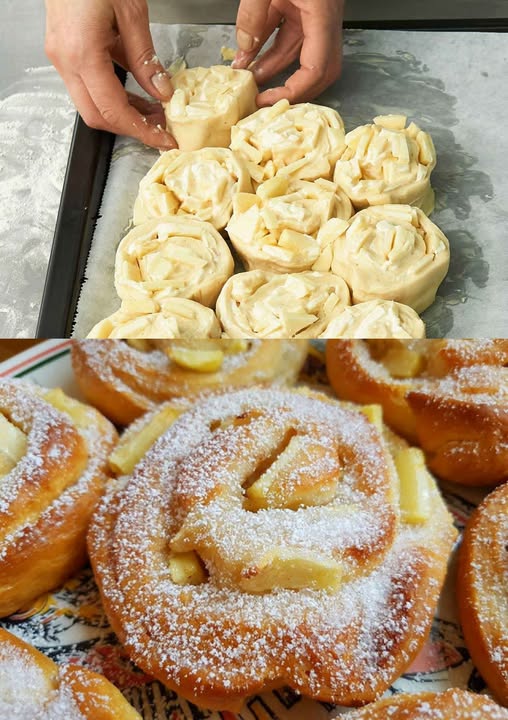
{"x":284,"y":184}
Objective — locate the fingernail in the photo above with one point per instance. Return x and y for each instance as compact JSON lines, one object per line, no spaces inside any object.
{"x":162,"y":83}
{"x":244,"y":41}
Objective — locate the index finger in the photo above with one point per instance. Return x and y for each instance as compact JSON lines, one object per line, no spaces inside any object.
{"x":250,"y":23}
{"x":111,"y":101}
{"x":320,"y":58}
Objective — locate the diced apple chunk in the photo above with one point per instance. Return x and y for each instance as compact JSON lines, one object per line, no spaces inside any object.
{"x":132,"y":448}
{"x":292,"y":569}
{"x":204,"y":361}
{"x":186,"y":569}
{"x":401,"y":362}
{"x":12,"y":445}
{"x":77,"y":411}
{"x":374,"y":414}
{"x":415,"y":484}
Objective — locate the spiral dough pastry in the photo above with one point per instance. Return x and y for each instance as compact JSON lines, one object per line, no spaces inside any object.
{"x":201,"y":183}
{"x":448,"y":396}
{"x":386,"y":163}
{"x":176,"y":318}
{"x":172,"y":257}
{"x":283,"y":227}
{"x":268,"y":305}
{"x":482,"y":590}
{"x":303,"y":141}
{"x":206,"y":103}
{"x":53,"y":455}
{"x":33,"y":687}
{"x":452,"y":704}
{"x":376,"y":319}
{"x":125,"y":381}
{"x":259,"y":543}
{"x":392,"y":252}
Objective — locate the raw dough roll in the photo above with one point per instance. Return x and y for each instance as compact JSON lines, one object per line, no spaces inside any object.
{"x":303,"y":140}
{"x":387,"y":163}
{"x":376,"y":319}
{"x":267,"y":305}
{"x":172,"y":257}
{"x":200,"y":183}
{"x":282,"y":228}
{"x":392,"y":252}
{"x":206,"y":103}
{"x":176,"y":318}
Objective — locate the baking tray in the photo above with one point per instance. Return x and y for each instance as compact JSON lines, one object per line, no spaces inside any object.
{"x":85,"y":180}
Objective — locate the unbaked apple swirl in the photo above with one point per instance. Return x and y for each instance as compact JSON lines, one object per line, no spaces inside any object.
{"x":172,"y":257}
{"x":376,"y":319}
{"x":206,"y":103}
{"x":269,"y":538}
{"x":303,"y":141}
{"x":271,"y":305}
{"x":201,"y":184}
{"x":282,"y":227}
{"x":385,"y":162}
{"x":53,"y":469}
{"x":391,"y":252}
{"x":174,"y":318}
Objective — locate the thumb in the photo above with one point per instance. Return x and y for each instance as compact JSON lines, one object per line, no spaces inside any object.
{"x":134,"y":30}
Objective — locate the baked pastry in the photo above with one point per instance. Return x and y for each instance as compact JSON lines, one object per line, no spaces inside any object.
{"x":124,"y":381}
{"x":385,"y":163}
{"x":174,"y":318}
{"x":269,"y":305}
{"x":376,"y":319}
{"x":33,"y":687}
{"x":172,"y":257}
{"x":242,"y":555}
{"x":53,"y":463}
{"x":201,"y":183}
{"x":303,"y":141}
{"x":453,"y":704}
{"x":206,"y":103}
{"x":482,"y":590}
{"x":449,"y":396}
{"x":283,"y":227}
{"x":392,"y":252}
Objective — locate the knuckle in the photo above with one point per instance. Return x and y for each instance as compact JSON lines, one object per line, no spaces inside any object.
{"x":109,"y":115}
{"x":134,"y":10}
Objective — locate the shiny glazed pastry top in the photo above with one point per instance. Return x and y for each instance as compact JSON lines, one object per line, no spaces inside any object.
{"x":271,"y":538}
{"x":206,"y":103}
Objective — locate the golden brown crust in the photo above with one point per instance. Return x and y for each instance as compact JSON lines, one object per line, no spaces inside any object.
{"x":30,"y":681}
{"x":124,"y":382}
{"x":455,"y":408}
{"x":454,"y":704}
{"x":483,"y":592}
{"x":229,"y":636}
{"x":44,"y":545}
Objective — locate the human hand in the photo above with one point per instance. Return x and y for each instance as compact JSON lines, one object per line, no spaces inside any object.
{"x":83,"y":38}
{"x":311,"y":30}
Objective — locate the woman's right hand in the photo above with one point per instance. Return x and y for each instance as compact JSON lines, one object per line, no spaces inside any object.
{"x":83,"y":38}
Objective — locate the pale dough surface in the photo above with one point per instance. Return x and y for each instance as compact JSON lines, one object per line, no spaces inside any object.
{"x":206,"y":103}
{"x":268,"y":305}
{"x":392,"y":252}
{"x":304,"y":141}
{"x":172,"y":257}
{"x":201,"y":183}
{"x":176,"y":318}
{"x":282,"y":227}
{"x":387,"y":162}
{"x":376,"y":319}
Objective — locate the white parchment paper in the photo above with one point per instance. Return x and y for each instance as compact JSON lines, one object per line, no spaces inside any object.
{"x":452,"y":84}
